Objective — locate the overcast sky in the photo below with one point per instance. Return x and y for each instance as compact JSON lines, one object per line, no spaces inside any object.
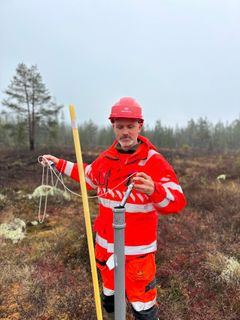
{"x":179,"y":58}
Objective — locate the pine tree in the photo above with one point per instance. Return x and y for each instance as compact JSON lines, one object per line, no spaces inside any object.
{"x":28,"y":97}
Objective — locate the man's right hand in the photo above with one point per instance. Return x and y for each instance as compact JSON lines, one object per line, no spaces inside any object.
{"x":49,"y":157}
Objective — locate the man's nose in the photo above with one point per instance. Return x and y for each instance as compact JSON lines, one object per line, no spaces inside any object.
{"x":125,"y":131}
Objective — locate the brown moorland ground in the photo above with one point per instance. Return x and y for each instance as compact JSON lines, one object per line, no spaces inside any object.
{"x":46,"y":276}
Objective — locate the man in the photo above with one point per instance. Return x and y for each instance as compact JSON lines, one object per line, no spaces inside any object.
{"x":131,"y":158}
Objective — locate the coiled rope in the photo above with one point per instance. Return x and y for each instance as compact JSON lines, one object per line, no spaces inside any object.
{"x":59,"y":178}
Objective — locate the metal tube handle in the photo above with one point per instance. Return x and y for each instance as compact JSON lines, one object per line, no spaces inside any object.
{"x":126,"y":195}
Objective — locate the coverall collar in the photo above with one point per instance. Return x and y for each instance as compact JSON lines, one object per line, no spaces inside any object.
{"x":140,"y":153}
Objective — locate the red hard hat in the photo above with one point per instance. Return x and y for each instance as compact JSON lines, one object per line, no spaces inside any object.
{"x":126,"y":108}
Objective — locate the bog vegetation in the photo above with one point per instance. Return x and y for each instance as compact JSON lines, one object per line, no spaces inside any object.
{"x":46,"y":275}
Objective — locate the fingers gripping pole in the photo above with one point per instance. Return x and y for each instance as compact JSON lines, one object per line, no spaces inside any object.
{"x":86,"y":211}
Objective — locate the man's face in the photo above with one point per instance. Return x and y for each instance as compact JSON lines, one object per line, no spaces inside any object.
{"x":126,"y":132}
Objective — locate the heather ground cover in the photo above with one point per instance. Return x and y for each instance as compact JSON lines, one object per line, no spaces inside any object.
{"x":47,"y":276}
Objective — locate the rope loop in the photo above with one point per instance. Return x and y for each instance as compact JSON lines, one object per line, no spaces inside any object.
{"x":59,"y":178}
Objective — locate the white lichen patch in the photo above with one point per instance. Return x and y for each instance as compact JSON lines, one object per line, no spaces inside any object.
{"x":2,"y":197}
{"x":14,"y":230}
{"x":44,"y":190}
{"x":227,"y":268}
{"x":231,"y":271}
{"x":34,"y":223}
{"x":222,"y":177}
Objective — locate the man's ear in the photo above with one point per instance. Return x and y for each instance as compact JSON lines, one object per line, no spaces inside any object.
{"x":140,"y":125}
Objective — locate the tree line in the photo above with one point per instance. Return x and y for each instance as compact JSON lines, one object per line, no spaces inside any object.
{"x":35,"y":120}
{"x":54,"y":132}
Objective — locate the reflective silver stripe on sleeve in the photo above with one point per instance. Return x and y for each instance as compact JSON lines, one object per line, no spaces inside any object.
{"x":89,"y":181}
{"x":140,"y":306}
{"x":68,"y":169}
{"x":129,"y":250}
{"x":150,"y":154}
{"x":165,"y":179}
{"x":130,"y":207}
{"x":169,"y":197}
{"x":163,"y":203}
{"x":173,"y":186}
{"x":88,"y":169}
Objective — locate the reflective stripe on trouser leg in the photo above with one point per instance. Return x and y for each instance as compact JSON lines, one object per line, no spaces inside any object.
{"x":108,"y":292}
{"x":141,"y":306}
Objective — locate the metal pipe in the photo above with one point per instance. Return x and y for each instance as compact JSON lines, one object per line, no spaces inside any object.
{"x":126,"y":195}
{"x":119,"y":263}
{"x":119,"y":257}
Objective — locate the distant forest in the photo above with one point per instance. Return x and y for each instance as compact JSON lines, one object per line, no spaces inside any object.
{"x":35,"y":121}
{"x":200,"y":134}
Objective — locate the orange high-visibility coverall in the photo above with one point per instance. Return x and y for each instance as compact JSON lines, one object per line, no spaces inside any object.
{"x":108,"y":175}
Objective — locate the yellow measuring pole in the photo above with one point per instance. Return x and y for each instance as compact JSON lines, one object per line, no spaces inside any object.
{"x":86,"y":211}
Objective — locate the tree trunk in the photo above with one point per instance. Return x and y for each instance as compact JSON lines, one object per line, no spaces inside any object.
{"x":32,"y":145}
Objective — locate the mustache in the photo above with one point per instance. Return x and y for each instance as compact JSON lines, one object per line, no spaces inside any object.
{"x":125,"y":137}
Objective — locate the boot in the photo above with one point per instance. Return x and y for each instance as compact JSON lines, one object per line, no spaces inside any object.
{"x":149,"y":314}
{"x":108,"y":306}
{"x":108,"y":315}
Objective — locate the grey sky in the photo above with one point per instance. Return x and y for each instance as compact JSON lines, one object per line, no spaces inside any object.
{"x":180,"y":59}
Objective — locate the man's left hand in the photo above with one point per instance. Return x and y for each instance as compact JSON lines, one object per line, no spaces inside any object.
{"x":143,"y":183}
